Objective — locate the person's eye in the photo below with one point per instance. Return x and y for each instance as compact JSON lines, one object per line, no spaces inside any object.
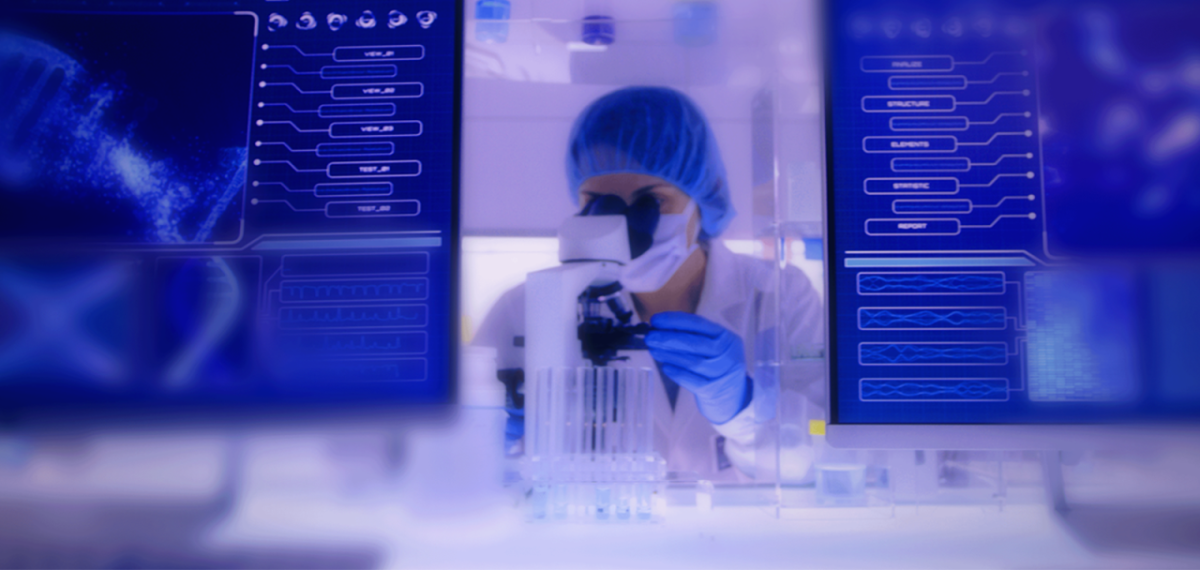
{"x":646,"y":201}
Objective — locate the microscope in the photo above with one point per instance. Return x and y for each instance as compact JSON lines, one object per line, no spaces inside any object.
{"x":589,"y":427}
{"x":565,"y":320}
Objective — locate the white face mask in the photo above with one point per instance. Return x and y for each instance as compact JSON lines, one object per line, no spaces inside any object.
{"x":652,"y":269}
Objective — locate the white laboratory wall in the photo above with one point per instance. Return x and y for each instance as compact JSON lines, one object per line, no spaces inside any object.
{"x":493,"y":265}
{"x":520,"y":98}
{"x":514,"y":144}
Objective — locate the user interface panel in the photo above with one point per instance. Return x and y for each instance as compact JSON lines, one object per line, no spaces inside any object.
{"x":1013,"y":210}
{"x":228,"y":201}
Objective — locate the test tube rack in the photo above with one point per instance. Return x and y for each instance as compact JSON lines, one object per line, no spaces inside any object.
{"x":590,"y":446}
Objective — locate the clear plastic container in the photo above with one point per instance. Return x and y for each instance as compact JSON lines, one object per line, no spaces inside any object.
{"x":491,"y":21}
{"x":590,"y":445}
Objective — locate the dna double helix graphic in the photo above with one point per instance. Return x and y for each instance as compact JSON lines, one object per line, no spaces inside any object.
{"x":61,"y":130}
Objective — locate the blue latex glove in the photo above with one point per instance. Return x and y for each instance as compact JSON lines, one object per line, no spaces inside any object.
{"x":704,"y":357}
{"x":514,"y":426}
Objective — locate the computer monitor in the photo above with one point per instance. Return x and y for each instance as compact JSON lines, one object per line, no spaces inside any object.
{"x":1013,"y":220}
{"x":231,"y":203}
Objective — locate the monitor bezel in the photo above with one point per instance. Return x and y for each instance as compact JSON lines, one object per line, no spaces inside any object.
{"x":962,"y":436}
{"x":71,"y":414}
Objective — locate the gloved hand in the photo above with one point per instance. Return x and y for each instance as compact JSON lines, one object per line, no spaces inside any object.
{"x":514,"y":426}
{"x":704,"y":357}
{"x":514,"y":404}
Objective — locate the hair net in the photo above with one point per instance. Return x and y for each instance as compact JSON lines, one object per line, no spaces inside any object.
{"x":654,"y":131}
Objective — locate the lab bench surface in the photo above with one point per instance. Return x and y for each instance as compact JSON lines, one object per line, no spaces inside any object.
{"x":748,"y":536}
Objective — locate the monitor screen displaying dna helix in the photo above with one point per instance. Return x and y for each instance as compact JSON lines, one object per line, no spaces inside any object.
{"x":1013,"y":212}
{"x":228,"y":202}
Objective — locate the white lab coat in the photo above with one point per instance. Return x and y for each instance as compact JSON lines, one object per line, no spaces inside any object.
{"x":738,"y":294}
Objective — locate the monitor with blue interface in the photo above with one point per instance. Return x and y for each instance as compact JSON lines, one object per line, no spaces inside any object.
{"x":228,"y":202}
{"x":1013,"y":211}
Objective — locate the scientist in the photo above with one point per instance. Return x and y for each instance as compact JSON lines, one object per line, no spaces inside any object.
{"x":713,"y":313}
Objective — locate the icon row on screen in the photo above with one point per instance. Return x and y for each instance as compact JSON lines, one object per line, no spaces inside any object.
{"x":367,"y":20}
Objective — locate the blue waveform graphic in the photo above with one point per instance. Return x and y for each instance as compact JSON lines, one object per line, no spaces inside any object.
{"x":991,"y":389}
{"x":356,"y":344}
{"x":894,"y":353}
{"x":332,"y":317}
{"x":354,"y":290}
{"x":983,"y":318}
{"x":881,"y":283}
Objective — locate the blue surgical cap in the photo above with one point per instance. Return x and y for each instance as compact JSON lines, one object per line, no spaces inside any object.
{"x":654,"y":131}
